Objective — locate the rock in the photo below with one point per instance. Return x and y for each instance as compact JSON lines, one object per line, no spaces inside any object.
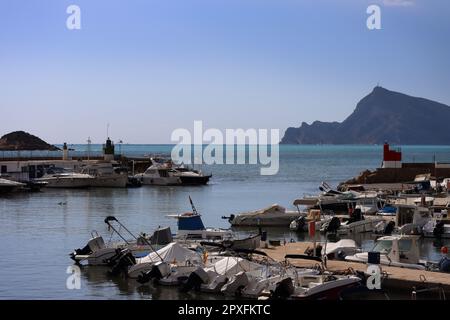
{"x":20,"y":140}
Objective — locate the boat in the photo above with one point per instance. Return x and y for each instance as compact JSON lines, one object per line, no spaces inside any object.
{"x":319,"y":287}
{"x":273,"y":216}
{"x":262,"y":282}
{"x":7,"y":186}
{"x":191,"y":227}
{"x":105,"y":175}
{"x":97,"y":253}
{"x":63,"y":178}
{"x":166,"y":173}
{"x":190,"y":176}
{"x":436,"y":229}
{"x":174,"y":254}
{"x":339,"y":249}
{"x":395,"y":250}
{"x":356,"y":223}
{"x":213,"y":278}
{"x":159,"y":175}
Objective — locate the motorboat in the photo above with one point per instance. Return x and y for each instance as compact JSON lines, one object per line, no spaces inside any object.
{"x":159,"y":175}
{"x":301,"y":224}
{"x":339,"y":249}
{"x":394,"y":250}
{"x":191,"y":227}
{"x":174,"y":254}
{"x":273,"y":216}
{"x":356,"y":223}
{"x":257,"y":283}
{"x":213,"y":278}
{"x":436,"y":229}
{"x":190,"y":176}
{"x":97,"y":253}
{"x":341,"y":201}
{"x":167,"y":173}
{"x":63,"y":178}
{"x":319,"y":287}
{"x":105,"y":175}
{"x":7,"y":186}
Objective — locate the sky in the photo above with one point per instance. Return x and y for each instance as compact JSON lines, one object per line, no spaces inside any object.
{"x":148,"y":67}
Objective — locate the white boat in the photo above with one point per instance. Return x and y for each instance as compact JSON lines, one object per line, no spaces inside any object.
{"x":7,"y":186}
{"x":272,"y":216}
{"x":321,"y":287}
{"x":343,"y":248}
{"x":97,"y":253}
{"x":173,"y":254}
{"x":256,"y":283}
{"x":214,"y":277}
{"x":367,"y":225}
{"x":168,"y":174}
{"x":159,"y":175}
{"x":395,"y":250}
{"x":63,"y":178}
{"x":436,"y":229}
{"x":105,"y":175}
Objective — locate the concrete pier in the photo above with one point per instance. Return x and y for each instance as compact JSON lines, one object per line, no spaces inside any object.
{"x":397,"y":278}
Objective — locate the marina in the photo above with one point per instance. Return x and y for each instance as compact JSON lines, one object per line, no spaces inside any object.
{"x":168,"y":213}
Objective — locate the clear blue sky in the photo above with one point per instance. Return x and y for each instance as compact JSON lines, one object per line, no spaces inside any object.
{"x":150,"y":66}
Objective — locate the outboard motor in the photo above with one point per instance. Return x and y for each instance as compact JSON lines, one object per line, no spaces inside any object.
{"x":438,"y":230}
{"x":159,"y":270}
{"x":113,"y":260}
{"x":333,"y":225}
{"x":195,"y":280}
{"x":356,"y":216}
{"x":125,"y":260}
{"x":444,"y":265}
{"x":389,"y":228}
{"x":283,"y":290}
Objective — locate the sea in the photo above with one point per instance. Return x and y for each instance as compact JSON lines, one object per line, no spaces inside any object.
{"x":39,"y":230}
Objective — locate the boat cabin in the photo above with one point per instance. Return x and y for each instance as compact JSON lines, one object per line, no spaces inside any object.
{"x":404,"y":248}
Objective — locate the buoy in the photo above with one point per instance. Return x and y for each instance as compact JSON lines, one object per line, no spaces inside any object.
{"x":444,"y":250}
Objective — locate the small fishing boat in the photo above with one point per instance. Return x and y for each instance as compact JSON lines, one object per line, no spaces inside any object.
{"x":321,"y":287}
{"x":191,"y":227}
{"x":214,"y":277}
{"x":96,"y":252}
{"x":272,"y":216}
{"x":396,"y":250}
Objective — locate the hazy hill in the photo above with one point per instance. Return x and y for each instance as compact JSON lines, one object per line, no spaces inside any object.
{"x":381,"y":116}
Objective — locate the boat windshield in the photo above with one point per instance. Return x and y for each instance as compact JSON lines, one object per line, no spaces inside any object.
{"x":405,"y":245}
{"x":382,"y":246}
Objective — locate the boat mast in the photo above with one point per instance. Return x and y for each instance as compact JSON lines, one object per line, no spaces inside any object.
{"x":194,"y":210}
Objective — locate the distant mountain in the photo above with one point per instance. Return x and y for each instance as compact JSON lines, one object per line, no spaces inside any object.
{"x":381,"y":116}
{"x":21,"y":140}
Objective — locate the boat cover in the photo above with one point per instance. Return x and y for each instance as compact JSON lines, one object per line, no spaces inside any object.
{"x":233,"y":265}
{"x":173,"y":252}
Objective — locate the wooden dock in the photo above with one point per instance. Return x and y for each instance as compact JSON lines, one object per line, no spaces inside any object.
{"x":401,"y":279}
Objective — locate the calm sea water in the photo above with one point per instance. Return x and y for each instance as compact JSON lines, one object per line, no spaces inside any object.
{"x":37,"y":233}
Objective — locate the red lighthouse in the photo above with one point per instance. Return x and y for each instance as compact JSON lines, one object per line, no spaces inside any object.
{"x":391,"y":158}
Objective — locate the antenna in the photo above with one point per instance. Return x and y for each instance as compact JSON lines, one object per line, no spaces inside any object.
{"x":107,"y":130}
{"x":89,"y":148}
